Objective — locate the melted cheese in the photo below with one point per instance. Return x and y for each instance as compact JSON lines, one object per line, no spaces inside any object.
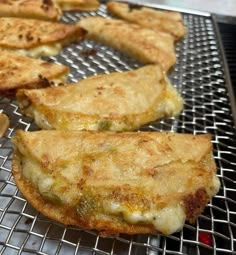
{"x":32,"y":172}
{"x":49,"y":186}
{"x":167,"y":220}
{"x":42,"y":121}
{"x":39,"y":51}
{"x":60,"y":79}
{"x":215,"y":185}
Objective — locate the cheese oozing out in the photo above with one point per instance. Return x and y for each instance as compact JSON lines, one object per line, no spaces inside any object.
{"x":166,"y":220}
{"x":60,"y":79}
{"x":42,"y":121}
{"x":40,"y":51}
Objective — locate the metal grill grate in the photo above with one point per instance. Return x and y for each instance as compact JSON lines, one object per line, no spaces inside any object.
{"x":199,"y":76}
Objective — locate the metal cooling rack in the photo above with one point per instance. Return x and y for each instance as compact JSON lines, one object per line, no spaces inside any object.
{"x":200,"y":77}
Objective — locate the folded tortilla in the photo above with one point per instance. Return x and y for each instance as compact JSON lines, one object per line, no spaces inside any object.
{"x":158,"y":20}
{"x":116,"y":101}
{"x":145,"y":45}
{"x":116,"y":182}
{"x":36,"y":38}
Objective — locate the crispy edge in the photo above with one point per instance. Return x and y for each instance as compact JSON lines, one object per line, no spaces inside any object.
{"x":86,"y":5}
{"x":42,"y":82}
{"x":35,"y":199}
{"x":194,"y":204}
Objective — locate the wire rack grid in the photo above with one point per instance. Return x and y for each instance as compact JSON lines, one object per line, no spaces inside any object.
{"x":200,"y":78}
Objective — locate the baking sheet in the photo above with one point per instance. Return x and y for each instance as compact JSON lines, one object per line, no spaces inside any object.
{"x":199,"y":76}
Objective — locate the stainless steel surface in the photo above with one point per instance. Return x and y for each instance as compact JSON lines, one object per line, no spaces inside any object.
{"x":165,"y":5}
{"x":199,"y":75}
{"x":226,"y":7}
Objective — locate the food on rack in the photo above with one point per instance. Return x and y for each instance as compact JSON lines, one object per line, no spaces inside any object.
{"x":33,"y":9}
{"x":23,"y":72}
{"x":165,"y":21}
{"x":144,"y":44}
{"x":35,"y":38}
{"x":4,"y":124}
{"x":126,"y":182}
{"x":116,"y":101}
{"x":79,"y":5}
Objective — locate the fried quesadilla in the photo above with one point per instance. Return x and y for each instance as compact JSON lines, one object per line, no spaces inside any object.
{"x":116,"y":182}
{"x":31,"y":9}
{"x":35,"y":38}
{"x":116,"y":101}
{"x":144,"y":44}
{"x":80,"y":5}
{"x":165,"y":21}
{"x":23,"y":72}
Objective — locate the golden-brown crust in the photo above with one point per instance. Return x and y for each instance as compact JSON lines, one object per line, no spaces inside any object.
{"x":79,"y":5}
{"x":17,"y":33}
{"x":141,"y":43}
{"x":31,"y":9}
{"x":155,"y":171}
{"x":166,"y":21}
{"x":116,"y":101}
{"x":194,"y":204}
{"x":23,"y":72}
